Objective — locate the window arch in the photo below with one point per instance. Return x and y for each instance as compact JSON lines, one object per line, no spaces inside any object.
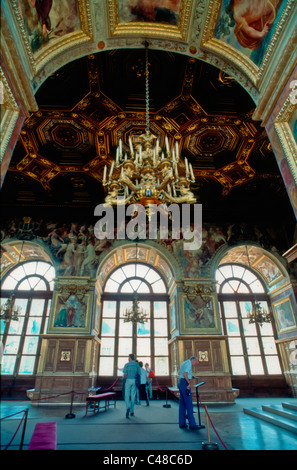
{"x":31,"y":283}
{"x":149,"y":340}
{"x":252,"y":348}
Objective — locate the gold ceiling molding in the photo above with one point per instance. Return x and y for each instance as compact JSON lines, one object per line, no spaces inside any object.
{"x":9,"y":114}
{"x":150,"y":29}
{"x":286,"y":136}
{"x":219,"y":48}
{"x":281,"y":57}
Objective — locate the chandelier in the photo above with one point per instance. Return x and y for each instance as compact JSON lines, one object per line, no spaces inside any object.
{"x":144,"y":173}
{"x":8,"y":311}
{"x":135,"y":314}
{"x":258,"y":313}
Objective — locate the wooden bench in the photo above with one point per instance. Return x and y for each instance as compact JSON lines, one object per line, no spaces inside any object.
{"x":97,"y":398}
{"x":44,"y":437}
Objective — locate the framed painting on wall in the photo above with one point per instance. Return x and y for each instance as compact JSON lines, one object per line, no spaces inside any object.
{"x":198,"y":316}
{"x":284,"y":315}
{"x":71,"y":315}
{"x":163,"y":18}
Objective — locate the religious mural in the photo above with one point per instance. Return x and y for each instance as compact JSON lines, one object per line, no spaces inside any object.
{"x":48,"y":20}
{"x":248,"y":25}
{"x":199,"y":314}
{"x":70,"y":313}
{"x":77,"y":252}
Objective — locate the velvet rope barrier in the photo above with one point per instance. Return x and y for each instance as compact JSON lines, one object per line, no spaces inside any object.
{"x":203,"y":406}
{"x":112,"y":385}
{"x":159,"y":385}
{"x":23,"y":418}
{"x":206,"y":411}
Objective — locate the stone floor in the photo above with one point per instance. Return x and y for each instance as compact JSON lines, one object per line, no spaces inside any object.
{"x":153,"y":428}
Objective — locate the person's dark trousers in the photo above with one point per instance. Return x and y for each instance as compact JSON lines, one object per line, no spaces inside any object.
{"x":185,"y":405}
{"x":143,"y":393}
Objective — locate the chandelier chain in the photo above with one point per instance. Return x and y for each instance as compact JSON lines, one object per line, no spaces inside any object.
{"x":147,"y":101}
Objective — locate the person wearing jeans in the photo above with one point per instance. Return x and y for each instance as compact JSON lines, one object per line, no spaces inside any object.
{"x":131,"y":369}
{"x":185,"y":398}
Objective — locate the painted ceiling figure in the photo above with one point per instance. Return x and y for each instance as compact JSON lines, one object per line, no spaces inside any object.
{"x":253,"y":20}
{"x":43,"y":8}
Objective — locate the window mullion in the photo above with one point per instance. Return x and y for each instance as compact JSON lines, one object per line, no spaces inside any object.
{"x":22,"y":339}
{"x":243,"y":341}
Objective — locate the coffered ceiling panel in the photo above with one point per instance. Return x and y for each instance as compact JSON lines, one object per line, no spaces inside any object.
{"x":87,"y":105}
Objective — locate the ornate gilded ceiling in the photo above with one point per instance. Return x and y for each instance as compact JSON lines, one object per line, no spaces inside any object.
{"x":86,"y":106}
{"x":79,"y":81}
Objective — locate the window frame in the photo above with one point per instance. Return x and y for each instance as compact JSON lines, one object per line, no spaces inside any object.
{"x":30,"y":296}
{"x":150,"y":297}
{"x":246,"y":297}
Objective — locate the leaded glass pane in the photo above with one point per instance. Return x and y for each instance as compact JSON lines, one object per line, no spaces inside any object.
{"x":106,"y":366}
{"x":161,"y":366}
{"x":8,"y":363}
{"x":37,"y":307}
{"x":125,"y":346}
{"x":109,"y":308}
{"x":108,"y":327}
{"x":107,"y":346}
{"x":34,"y":326}
{"x":252,"y":345}
{"x":230,"y":309}
{"x":27,"y":365}
{"x":235,"y":346}
{"x":12,"y":344}
{"x":238,"y":365}
{"x":232,"y":327}
{"x":161,"y":346}
{"x":160,"y":309}
{"x":30,"y":345}
{"x":256,"y":365}
{"x":273,"y":365}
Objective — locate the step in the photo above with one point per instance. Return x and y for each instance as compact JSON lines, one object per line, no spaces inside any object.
{"x":283,"y":423}
{"x":280,"y":411}
{"x":291,"y":406}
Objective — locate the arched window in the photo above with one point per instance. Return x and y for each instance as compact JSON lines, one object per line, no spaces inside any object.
{"x":149,"y":340}
{"x":252,"y":348}
{"x":32,"y":284}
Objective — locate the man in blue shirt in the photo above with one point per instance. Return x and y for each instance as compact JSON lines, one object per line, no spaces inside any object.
{"x":185,"y":399}
{"x":131,"y":369}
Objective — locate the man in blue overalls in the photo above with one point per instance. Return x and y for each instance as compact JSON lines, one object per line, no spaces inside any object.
{"x":185,"y":399}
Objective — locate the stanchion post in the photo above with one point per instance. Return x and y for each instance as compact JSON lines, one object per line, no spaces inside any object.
{"x":24,"y":429}
{"x":167,"y":405}
{"x":200,"y":426}
{"x":71,"y":415}
{"x":208,"y":445}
